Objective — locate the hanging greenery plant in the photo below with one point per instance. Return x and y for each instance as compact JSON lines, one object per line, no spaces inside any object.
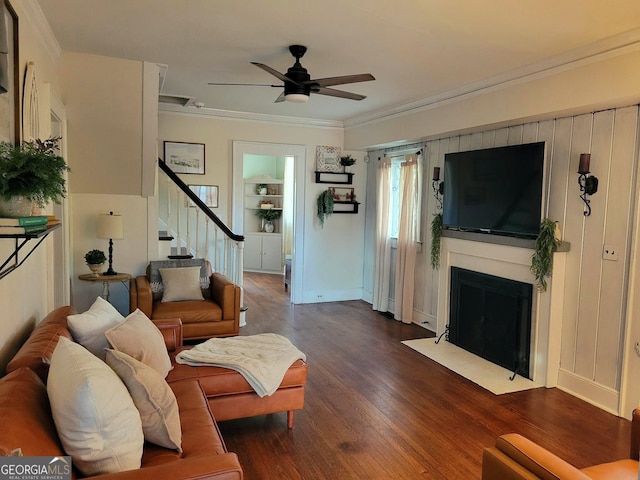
{"x":542,"y":259}
{"x":324,"y":206}
{"x":436,"y":233}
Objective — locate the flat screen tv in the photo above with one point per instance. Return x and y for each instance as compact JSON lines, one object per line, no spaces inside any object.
{"x":495,"y":190}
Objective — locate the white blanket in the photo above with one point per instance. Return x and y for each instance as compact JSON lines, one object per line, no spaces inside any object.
{"x":262,"y":359}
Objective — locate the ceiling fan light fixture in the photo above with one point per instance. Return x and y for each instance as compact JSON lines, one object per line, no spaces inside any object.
{"x":296,"y":97}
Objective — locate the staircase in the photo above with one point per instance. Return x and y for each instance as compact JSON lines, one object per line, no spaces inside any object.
{"x":188,"y":228}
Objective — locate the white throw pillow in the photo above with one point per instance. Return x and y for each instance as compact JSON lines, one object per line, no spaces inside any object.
{"x":138,"y":337}
{"x":181,"y":283}
{"x":96,"y":419}
{"x":88,"y":328}
{"x":153,"y":398}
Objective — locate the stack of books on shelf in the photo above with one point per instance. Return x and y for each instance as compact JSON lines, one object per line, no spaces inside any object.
{"x":24,"y":225}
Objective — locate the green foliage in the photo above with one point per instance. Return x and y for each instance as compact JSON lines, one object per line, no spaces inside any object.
{"x":33,"y":170}
{"x":259,"y":187}
{"x":325,"y":206}
{"x":268,"y":214}
{"x":542,"y":259}
{"x":95,"y":257}
{"x":347,"y":161}
{"x":436,"y":233}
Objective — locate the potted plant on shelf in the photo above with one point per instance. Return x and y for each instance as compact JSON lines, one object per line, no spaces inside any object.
{"x":31,"y":172}
{"x":542,"y":259}
{"x":324,"y":206}
{"x":347,"y":161}
{"x":95,"y":260}
{"x":261,"y":189}
{"x":268,"y":215}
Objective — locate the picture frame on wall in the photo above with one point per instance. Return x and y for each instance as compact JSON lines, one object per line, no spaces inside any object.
{"x":342,"y":194}
{"x":207,"y":193}
{"x":328,"y":159}
{"x":184,"y":157}
{"x":9,"y":92}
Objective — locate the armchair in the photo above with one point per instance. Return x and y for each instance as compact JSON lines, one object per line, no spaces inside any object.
{"x":218,"y":315}
{"x":515,"y":457}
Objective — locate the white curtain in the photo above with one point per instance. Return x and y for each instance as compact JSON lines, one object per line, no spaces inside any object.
{"x":287,"y":207}
{"x":383,"y":238}
{"x":408,"y":233}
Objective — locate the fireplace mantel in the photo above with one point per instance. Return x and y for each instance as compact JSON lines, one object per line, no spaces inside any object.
{"x":512,"y":262}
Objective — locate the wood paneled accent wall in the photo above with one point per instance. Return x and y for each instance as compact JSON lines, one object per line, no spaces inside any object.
{"x":596,"y":290}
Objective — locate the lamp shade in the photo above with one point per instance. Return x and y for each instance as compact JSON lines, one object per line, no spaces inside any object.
{"x":110,"y":226}
{"x":296,"y":97}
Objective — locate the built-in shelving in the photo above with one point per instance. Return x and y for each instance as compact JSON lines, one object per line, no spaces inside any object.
{"x":263,"y":249}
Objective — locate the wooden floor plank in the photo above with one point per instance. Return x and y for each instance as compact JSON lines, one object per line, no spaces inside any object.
{"x":377,"y":409}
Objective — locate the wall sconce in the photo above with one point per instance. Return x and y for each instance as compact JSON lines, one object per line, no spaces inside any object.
{"x":438,"y":187}
{"x":588,"y":184}
{"x":110,"y":226}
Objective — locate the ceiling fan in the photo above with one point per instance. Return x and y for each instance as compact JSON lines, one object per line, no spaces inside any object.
{"x":298,"y":84}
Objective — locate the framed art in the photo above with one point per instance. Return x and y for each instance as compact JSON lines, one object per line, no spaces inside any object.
{"x":9,"y":79}
{"x":328,"y":159}
{"x":183,"y":157}
{"x":342,"y":194}
{"x":207,"y":193}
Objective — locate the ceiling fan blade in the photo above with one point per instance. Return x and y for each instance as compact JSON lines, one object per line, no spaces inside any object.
{"x":332,"y":92}
{"x":280,"y":98}
{"x":329,"y":81}
{"x":275,"y":73}
{"x":245,"y":84}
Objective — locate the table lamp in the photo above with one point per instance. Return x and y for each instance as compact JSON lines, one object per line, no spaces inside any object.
{"x":110,"y":226}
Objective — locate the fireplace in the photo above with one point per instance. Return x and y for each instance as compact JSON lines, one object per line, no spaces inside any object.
{"x":490,"y":316}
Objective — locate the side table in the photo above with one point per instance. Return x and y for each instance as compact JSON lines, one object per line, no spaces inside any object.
{"x":106,"y":280}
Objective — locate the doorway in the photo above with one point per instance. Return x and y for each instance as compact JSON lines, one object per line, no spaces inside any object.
{"x":297,"y":154}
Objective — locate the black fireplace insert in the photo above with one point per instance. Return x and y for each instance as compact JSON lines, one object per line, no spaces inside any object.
{"x":491,"y":317}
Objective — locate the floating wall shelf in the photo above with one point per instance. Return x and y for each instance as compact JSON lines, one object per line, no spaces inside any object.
{"x":345,"y":207}
{"x":21,"y":240}
{"x":334,"y":177}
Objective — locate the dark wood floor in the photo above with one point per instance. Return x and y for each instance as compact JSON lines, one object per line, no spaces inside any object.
{"x":376,"y":409}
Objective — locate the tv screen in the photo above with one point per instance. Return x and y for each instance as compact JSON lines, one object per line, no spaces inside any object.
{"x":495,"y":190}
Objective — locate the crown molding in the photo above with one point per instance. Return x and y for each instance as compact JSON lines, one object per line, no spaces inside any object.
{"x":42,"y":29}
{"x":596,"y":52}
{"x":248,"y":116}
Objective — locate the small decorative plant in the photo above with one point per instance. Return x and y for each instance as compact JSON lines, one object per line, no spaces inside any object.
{"x":268,"y":214}
{"x":260,"y":188}
{"x":347,"y":161}
{"x":33,"y":170}
{"x":436,"y":233}
{"x":542,"y":259}
{"x":324,"y":206}
{"x":95,"y":257}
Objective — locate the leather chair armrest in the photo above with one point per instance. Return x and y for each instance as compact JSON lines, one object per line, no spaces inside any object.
{"x":534,"y":459}
{"x":227,"y":295}
{"x":171,"y":330}
{"x":635,"y":435}
{"x":141,"y":288}
{"x":224,"y":466}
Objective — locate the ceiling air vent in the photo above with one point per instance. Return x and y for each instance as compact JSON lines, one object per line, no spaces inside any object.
{"x":176,"y":100}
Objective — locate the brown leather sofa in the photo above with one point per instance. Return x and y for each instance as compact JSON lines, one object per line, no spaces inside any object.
{"x":218,"y":315}
{"x":28,"y":424}
{"x":516,"y":457}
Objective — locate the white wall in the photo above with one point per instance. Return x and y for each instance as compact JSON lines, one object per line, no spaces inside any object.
{"x":24,"y":293}
{"x":333,"y":255}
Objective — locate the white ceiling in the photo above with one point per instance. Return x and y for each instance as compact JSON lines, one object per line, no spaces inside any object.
{"x":416,"y":49}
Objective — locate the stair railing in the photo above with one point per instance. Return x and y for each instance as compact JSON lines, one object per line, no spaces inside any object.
{"x":196,"y":230}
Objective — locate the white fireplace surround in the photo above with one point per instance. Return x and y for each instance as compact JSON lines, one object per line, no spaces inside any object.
{"x":512,"y":262}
